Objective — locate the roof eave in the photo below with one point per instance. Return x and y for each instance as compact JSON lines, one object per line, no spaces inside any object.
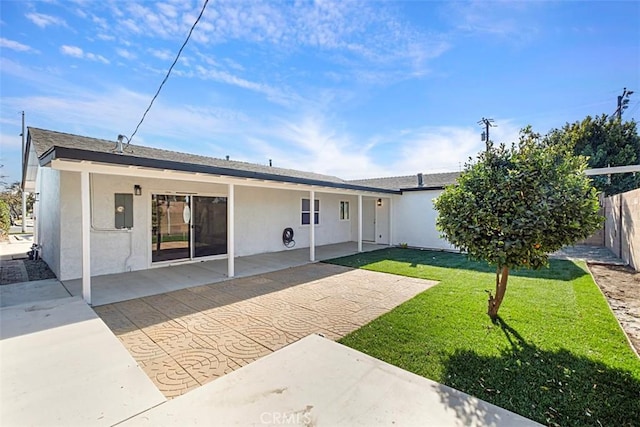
{"x":56,"y":152}
{"x":436,"y":187}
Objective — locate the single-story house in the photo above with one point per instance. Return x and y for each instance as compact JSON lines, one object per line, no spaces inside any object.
{"x":106,"y":207}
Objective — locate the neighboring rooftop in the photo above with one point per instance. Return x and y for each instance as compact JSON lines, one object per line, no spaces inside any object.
{"x":50,"y":145}
{"x":411,"y":182}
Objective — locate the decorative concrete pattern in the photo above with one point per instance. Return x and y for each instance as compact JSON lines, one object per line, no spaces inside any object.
{"x":185,"y":338}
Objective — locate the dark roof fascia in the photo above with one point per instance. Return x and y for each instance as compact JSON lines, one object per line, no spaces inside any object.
{"x":76,"y":154}
{"x":437,"y":187}
{"x":48,"y":156}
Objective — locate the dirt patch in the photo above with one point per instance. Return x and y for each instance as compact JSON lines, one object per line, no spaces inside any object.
{"x":12,"y":272}
{"x":621,"y":286}
{"x":38,"y":270}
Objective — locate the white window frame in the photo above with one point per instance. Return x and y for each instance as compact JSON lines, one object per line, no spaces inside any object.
{"x":308,"y":212}
{"x":344,"y":208}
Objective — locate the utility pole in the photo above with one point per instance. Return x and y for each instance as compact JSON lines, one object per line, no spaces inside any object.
{"x":623,"y":102}
{"x":487,"y":124}
{"x":24,"y":193}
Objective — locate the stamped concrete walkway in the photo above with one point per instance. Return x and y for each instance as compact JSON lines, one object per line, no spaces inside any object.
{"x":186,"y":338}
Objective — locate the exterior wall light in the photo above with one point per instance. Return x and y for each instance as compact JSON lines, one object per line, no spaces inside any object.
{"x":137,"y":190}
{"x":379,"y":203}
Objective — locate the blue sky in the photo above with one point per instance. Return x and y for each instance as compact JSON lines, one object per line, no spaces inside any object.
{"x":353,"y":89}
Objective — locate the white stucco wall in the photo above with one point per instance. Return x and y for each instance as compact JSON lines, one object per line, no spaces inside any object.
{"x":261,"y":215}
{"x":47,"y":213}
{"x":415,"y":220}
{"x":70,"y":221}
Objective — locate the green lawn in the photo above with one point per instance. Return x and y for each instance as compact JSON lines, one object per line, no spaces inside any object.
{"x":557,"y":355}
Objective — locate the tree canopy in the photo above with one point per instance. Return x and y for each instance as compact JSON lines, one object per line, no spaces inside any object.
{"x":606,"y":142}
{"x":11,"y":195}
{"x":514,"y":206}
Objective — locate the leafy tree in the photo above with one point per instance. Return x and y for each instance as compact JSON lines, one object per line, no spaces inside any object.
{"x":12,"y":196}
{"x":516,"y":205}
{"x":606,"y":142}
{"x":5,"y":222}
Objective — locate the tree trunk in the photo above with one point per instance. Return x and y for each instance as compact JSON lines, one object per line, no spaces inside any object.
{"x":501,"y":288}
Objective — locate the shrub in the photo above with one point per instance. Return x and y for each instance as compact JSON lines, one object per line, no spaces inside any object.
{"x":5,"y":219}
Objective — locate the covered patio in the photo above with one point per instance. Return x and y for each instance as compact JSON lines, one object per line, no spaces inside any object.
{"x":111,"y":288}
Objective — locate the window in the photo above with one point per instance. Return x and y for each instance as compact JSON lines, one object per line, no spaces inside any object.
{"x":306,"y":211}
{"x":344,"y":210}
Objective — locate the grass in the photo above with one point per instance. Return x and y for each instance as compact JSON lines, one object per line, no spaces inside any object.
{"x":556,"y":355}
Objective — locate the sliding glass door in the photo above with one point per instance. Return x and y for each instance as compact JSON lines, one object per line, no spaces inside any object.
{"x":187,"y":227}
{"x":209,"y":226}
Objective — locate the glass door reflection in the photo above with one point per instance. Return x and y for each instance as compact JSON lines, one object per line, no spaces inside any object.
{"x":170,"y":224}
{"x":209,"y":226}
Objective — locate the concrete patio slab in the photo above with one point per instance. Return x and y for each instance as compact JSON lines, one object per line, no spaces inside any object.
{"x":112,"y":288}
{"x":16,"y":247}
{"x":316,"y":382}
{"x":186,"y":338}
{"x":31,"y":292}
{"x":591,"y":254}
{"x":60,"y":365}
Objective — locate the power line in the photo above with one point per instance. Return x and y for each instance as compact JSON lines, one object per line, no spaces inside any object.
{"x":204,"y":6}
{"x":633,"y":109}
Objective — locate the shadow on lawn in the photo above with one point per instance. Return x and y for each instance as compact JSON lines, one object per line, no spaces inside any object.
{"x":558,"y":269}
{"x":551,"y":387}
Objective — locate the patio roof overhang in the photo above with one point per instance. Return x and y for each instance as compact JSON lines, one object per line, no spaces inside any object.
{"x":88,"y":162}
{"x":76,"y":160}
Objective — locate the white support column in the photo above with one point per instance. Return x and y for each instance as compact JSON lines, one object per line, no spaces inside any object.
{"x":312,"y":228}
{"x":86,"y":236}
{"x":390,"y":221}
{"x":231,"y":231}
{"x":359,"y":222}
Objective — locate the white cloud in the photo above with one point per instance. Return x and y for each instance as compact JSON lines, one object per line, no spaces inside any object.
{"x":515,"y":21}
{"x":10,"y":141}
{"x":43,"y":21}
{"x":11,"y":154}
{"x":312,"y":144}
{"x":98,"y":58}
{"x":117,"y":110}
{"x":106,"y":37}
{"x":277,"y":95}
{"x":436,"y":149}
{"x":74,"y":51}
{"x":14,"y":45}
{"x":126,"y":54}
{"x":167,"y":10}
{"x":350,"y":31}
{"x":77,"y":52}
{"x":163,"y":54}
{"x":443,"y":148}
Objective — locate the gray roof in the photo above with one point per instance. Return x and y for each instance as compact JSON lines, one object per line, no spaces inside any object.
{"x":410,"y":182}
{"x":50,"y":145}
